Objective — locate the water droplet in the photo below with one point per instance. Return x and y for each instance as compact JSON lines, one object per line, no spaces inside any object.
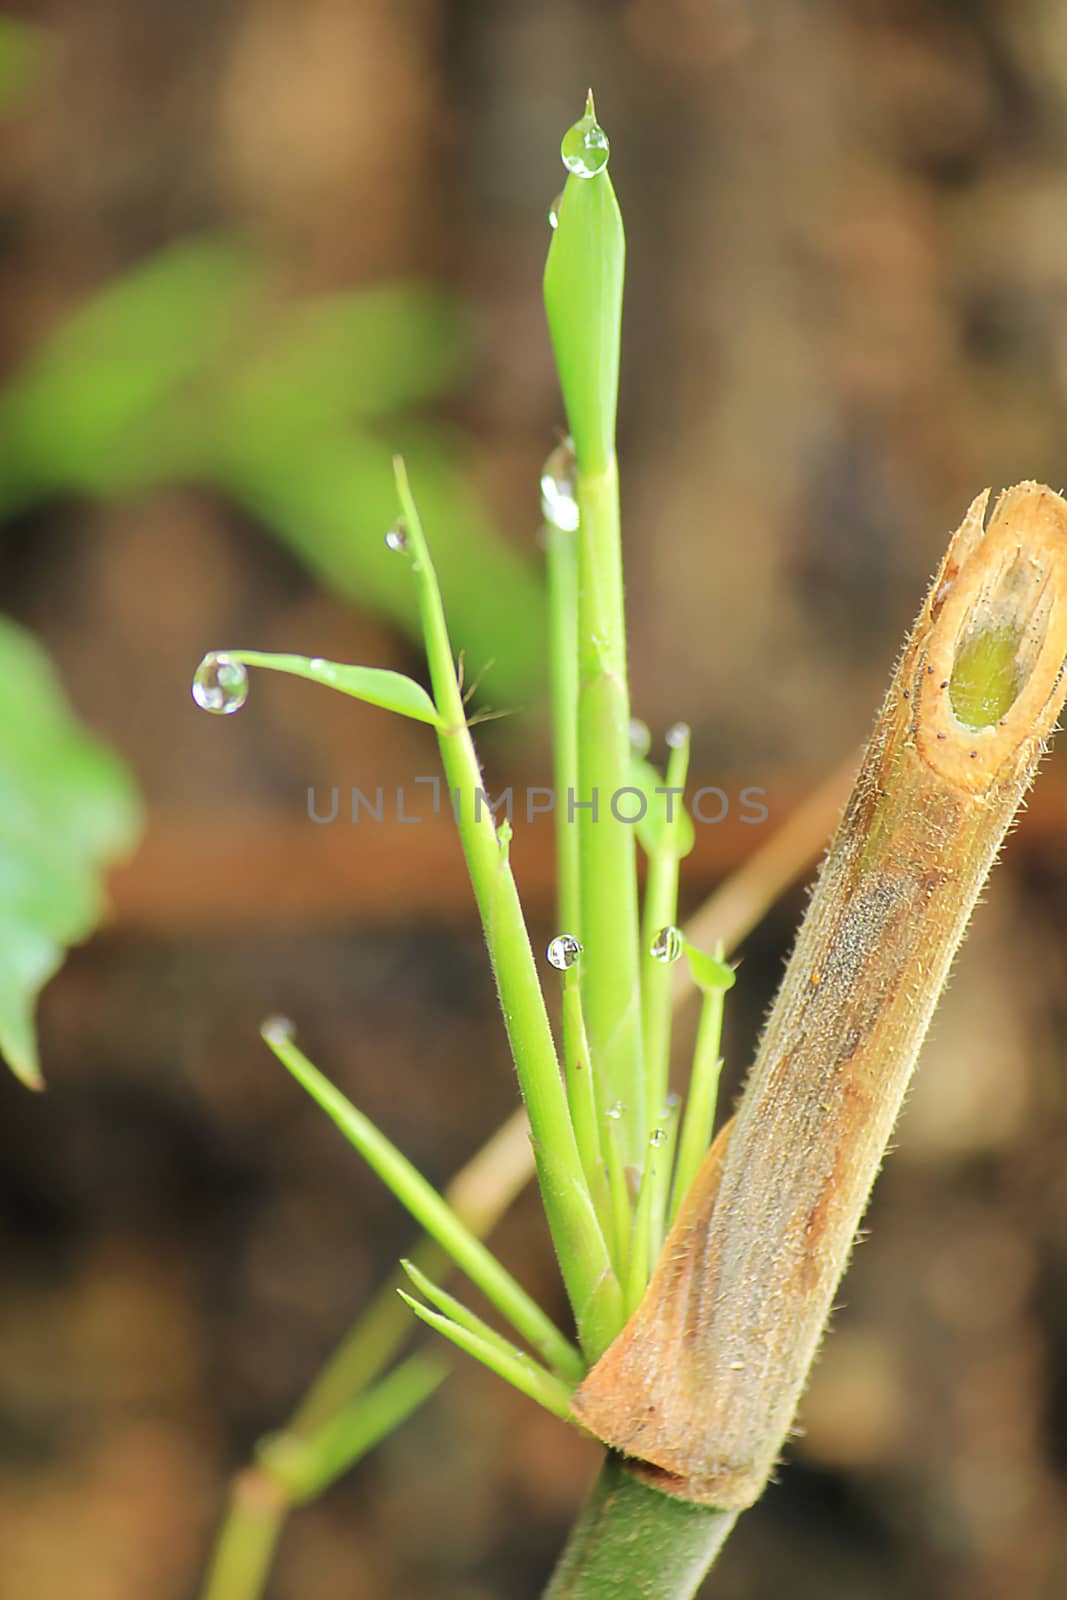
{"x":657,"y":1137}
{"x":615,"y":1111}
{"x":640,"y":736}
{"x":585,"y":147}
{"x":553,"y":211}
{"x":559,"y":500}
{"x":220,"y":684}
{"x":278,"y":1030}
{"x":564,"y":951}
{"x":678,"y":735}
{"x":397,"y":537}
{"x":667,"y":945}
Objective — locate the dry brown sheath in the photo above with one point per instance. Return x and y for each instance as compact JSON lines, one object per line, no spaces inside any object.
{"x":702,"y":1384}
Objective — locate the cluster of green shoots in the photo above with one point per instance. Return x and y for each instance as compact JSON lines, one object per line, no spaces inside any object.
{"x":614,"y":1149}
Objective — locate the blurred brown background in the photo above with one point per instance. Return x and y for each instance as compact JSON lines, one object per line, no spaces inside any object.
{"x":846,"y":314}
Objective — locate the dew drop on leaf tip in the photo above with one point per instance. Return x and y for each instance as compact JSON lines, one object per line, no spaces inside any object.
{"x":278,"y":1030}
{"x":585,"y":149}
{"x":640,"y":736}
{"x":220,"y":684}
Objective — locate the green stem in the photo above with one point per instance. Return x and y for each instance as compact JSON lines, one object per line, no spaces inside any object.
{"x":633,"y":1543}
{"x":698,"y":1120}
{"x":610,"y":982}
{"x":657,"y":980}
{"x":562,"y":567}
{"x":254,"y":1521}
{"x":586,"y":1110}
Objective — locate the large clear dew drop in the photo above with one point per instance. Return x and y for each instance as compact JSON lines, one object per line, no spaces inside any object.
{"x":667,"y":945}
{"x":585,"y":149}
{"x":220,"y":684}
{"x":563,"y":952}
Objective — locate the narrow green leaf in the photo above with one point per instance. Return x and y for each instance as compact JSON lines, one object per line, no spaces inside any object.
{"x":375,"y":685}
{"x":432,"y":1212}
{"x":456,"y":1311}
{"x":709,"y":972}
{"x":511,"y":1364}
{"x":583,"y":301}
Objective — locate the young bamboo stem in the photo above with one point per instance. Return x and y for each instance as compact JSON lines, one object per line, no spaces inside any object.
{"x":703,"y":1383}
{"x":594,"y":1292}
{"x":633,"y":1543}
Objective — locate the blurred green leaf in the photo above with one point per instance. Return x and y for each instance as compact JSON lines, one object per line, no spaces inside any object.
{"x":67,"y":807}
{"x":345,"y":358}
{"x":191,"y":366}
{"x":23,"y":50}
{"x":307,"y":1466}
{"x":86,"y":412}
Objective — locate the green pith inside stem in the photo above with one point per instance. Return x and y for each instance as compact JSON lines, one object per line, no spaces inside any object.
{"x":985,"y":683}
{"x":633,"y":1543}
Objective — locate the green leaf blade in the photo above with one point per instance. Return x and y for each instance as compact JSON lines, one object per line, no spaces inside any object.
{"x":508,"y":1363}
{"x":583,"y":301}
{"x":376,"y":686}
